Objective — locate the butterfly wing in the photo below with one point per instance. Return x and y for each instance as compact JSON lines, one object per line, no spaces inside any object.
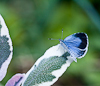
{"x":77,"y":44}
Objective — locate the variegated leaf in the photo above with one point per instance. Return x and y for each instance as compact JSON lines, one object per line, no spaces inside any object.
{"x":48,"y":68}
{"x":5,"y":48}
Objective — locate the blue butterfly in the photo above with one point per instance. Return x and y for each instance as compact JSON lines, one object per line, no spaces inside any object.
{"x":76,"y":44}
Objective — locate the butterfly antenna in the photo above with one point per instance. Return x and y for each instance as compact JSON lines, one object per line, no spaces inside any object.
{"x":62,"y":34}
{"x":52,"y":39}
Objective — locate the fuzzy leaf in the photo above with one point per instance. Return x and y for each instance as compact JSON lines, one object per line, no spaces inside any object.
{"x":47,"y":70}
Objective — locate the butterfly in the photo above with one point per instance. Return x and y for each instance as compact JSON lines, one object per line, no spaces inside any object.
{"x":76,"y":44}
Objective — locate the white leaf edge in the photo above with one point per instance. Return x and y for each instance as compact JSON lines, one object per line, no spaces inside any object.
{"x":4,"y":31}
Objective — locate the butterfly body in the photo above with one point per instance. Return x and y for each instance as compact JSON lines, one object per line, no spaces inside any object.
{"x":76,"y":44}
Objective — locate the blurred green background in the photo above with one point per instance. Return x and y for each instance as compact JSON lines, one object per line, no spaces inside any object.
{"x":32,"y":22}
